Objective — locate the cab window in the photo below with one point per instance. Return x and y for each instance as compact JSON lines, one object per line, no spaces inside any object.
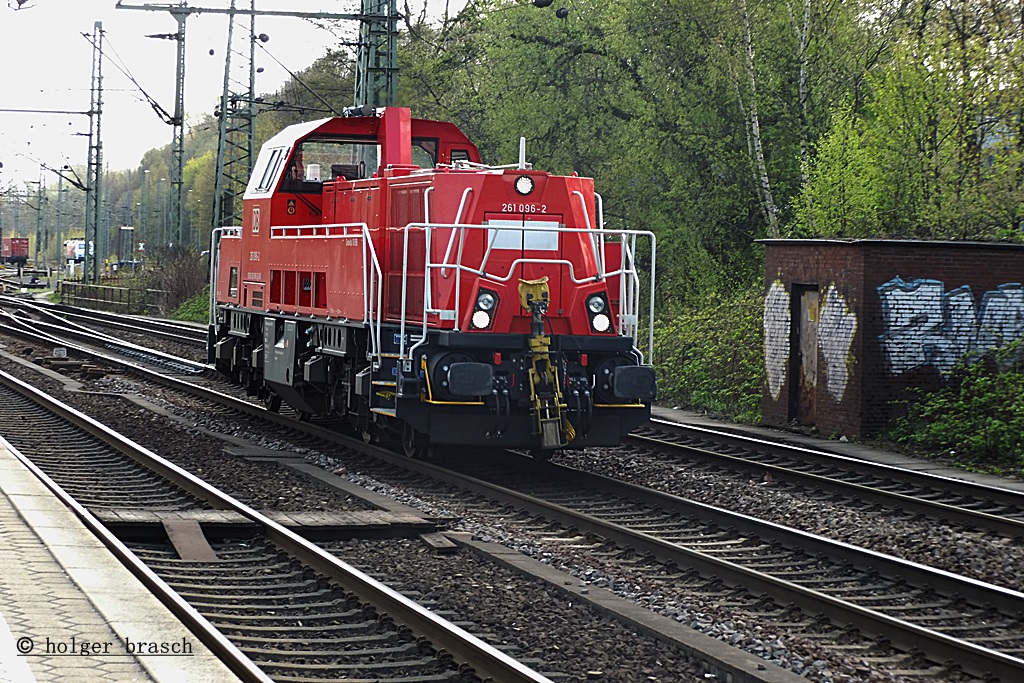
{"x":424,"y":152}
{"x":269,"y":172}
{"x":317,"y":161}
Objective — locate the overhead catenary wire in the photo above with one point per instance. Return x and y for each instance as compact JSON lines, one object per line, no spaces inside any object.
{"x":123,"y":68}
{"x":76,"y":181}
{"x":298,"y":80}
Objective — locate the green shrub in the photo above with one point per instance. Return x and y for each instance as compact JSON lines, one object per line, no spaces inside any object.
{"x":977,"y":420}
{"x":195,"y":309}
{"x":712,"y":358}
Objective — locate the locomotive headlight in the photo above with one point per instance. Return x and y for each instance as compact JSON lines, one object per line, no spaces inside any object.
{"x":483,"y":311}
{"x":485,"y":301}
{"x":524,"y":185}
{"x":597,"y":311}
{"x":596,"y":304}
{"x":481,"y":320}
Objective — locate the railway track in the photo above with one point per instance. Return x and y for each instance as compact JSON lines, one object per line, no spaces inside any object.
{"x":297,"y":626}
{"x":959,"y":501}
{"x":55,"y":324}
{"x":49,"y":328}
{"x":916,"y":608}
{"x":789,"y":578}
{"x":113,"y":474}
{"x":12,"y":284}
{"x":177,"y":331}
{"x":708,"y":655}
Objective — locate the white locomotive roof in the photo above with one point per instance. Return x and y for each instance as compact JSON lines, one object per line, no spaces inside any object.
{"x":288,"y":136}
{"x":283,"y":140}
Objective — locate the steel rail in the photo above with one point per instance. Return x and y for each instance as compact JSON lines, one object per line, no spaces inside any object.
{"x":135,"y":325}
{"x":226,"y":651}
{"x":170,"y":329}
{"x":314,"y":430}
{"x":310,"y":429}
{"x":903,"y":634}
{"x":186,"y":335}
{"x":486,"y":660}
{"x":197,"y":390}
{"x":30,"y":330}
{"x":979,"y":492}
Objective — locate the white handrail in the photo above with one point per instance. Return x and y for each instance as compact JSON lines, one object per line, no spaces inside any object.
{"x":458,"y":219}
{"x":487,"y":254}
{"x":629,"y":276}
{"x":598,"y":252}
{"x":373,"y":278}
{"x":215,"y":236}
{"x":377,"y":286}
{"x":405,"y":289}
{"x":599,"y":203}
{"x":426,"y":219}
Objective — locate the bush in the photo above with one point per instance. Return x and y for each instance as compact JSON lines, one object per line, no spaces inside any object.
{"x":712,"y":358}
{"x":196,"y":309}
{"x":180,"y":273}
{"x":977,"y":420}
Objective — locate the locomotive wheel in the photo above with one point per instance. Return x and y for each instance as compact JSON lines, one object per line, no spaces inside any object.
{"x":415,"y":444}
{"x":542,"y":454}
{"x":271,"y":401}
{"x":372,"y":433}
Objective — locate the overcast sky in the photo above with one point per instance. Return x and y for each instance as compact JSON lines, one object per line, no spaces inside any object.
{"x":46,"y":65}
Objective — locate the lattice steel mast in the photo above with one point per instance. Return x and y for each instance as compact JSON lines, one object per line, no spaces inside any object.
{"x":377,"y":56}
{"x":94,"y":177}
{"x":180,"y":12}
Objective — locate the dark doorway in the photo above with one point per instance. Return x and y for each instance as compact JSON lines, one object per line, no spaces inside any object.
{"x":803,"y":364}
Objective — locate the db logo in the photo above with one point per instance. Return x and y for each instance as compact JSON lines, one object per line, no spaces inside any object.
{"x":291,"y":207}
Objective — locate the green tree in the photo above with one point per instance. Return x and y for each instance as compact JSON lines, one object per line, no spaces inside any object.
{"x":710,"y":358}
{"x":198,"y":179}
{"x":841,"y":195}
{"x":936,"y":150}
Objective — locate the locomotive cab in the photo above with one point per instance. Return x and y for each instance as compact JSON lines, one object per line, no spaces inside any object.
{"x":382,"y":272}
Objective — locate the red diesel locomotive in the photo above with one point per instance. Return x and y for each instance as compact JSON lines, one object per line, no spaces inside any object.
{"x":383,"y":273}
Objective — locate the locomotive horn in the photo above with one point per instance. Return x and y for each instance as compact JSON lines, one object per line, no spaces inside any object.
{"x":359,"y":110}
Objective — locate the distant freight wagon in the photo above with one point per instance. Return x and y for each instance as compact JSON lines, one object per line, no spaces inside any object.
{"x":14,"y":250}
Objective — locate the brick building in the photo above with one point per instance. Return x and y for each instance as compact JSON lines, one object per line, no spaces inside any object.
{"x":851,"y":325}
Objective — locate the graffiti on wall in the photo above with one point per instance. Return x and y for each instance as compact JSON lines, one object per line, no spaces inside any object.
{"x":926,"y":326}
{"x":776,"y":337}
{"x":836,"y":327}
